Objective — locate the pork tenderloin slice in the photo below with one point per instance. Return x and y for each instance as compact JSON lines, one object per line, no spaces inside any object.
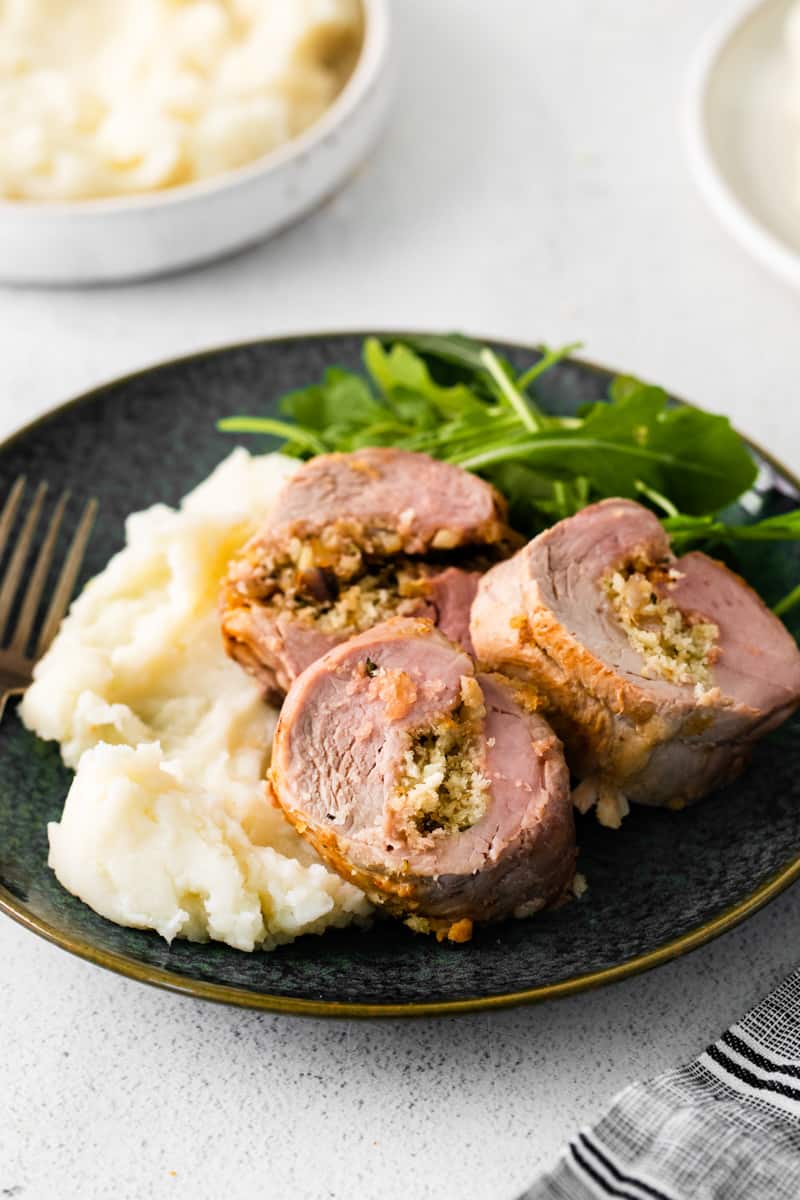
{"x":341,"y":763}
{"x":422,"y":504}
{"x":276,"y":645}
{"x":400,"y":532}
{"x":450,"y":596}
{"x":545,"y":615}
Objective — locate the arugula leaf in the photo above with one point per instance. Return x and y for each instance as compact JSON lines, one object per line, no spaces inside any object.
{"x":548,"y":359}
{"x":508,"y":392}
{"x":685,"y":530}
{"x":693,"y":457}
{"x":304,"y":438}
{"x":343,"y":400}
{"x":399,"y":373}
{"x":788,"y":602}
{"x":453,"y":348}
{"x":459,"y":401}
{"x":696,"y":459}
{"x":534,"y":501}
{"x":709,"y":440}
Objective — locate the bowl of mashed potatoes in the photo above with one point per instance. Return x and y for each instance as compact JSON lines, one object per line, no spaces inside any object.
{"x":142,"y":136}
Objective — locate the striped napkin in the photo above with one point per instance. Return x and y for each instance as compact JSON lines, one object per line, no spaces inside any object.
{"x":724,"y":1127}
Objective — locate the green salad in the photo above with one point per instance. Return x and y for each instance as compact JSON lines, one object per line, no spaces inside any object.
{"x":456,"y":400}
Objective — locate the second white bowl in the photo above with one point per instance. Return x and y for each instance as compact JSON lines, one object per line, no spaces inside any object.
{"x":743,"y":132}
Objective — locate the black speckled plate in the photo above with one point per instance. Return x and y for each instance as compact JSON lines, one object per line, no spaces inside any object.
{"x":665,"y":883}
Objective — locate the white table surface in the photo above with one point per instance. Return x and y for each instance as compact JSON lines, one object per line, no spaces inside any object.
{"x":532,"y":184}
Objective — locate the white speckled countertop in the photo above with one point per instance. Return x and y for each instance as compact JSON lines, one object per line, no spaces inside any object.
{"x":532,"y":184}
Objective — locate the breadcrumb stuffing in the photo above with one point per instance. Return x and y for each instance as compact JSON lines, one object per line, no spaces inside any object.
{"x":441,"y":788}
{"x":612,"y":807}
{"x":458,"y":931}
{"x":672,"y":644}
{"x":610,"y":803}
{"x":373,"y":598}
{"x":333,"y":588}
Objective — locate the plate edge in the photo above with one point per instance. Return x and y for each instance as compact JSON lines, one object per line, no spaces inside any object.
{"x":241,"y":997}
{"x":130,"y":968}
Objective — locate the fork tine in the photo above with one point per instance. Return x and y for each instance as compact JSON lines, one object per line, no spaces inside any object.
{"x":35,"y":588}
{"x":10,"y":510}
{"x":66,"y":581}
{"x":13,"y":575}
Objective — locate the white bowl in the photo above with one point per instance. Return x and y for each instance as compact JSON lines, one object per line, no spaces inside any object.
{"x":128,"y":237}
{"x":743,"y":133}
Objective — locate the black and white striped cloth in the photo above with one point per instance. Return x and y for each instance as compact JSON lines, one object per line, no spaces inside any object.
{"x":724,"y":1127}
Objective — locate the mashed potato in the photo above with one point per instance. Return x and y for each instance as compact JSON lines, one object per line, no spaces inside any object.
{"x":102,"y":97}
{"x":166,"y":825}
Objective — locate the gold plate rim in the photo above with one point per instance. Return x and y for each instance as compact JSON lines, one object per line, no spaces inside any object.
{"x":239,"y":997}
{"x":171,"y":981}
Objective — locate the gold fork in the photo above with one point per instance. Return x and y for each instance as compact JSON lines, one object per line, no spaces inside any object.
{"x":16,"y":663}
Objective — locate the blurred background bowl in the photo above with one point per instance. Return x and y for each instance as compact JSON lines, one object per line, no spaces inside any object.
{"x":743,"y":132}
{"x":129,"y":237}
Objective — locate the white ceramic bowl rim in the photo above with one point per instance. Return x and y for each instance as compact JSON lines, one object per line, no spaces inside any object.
{"x":740,"y":222}
{"x":368,"y":66}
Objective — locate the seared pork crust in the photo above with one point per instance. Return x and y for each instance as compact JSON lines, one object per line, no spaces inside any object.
{"x":353,"y":540}
{"x":440,"y":792}
{"x":630,"y":733}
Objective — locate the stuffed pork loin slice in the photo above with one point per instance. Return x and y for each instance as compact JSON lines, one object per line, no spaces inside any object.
{"x":440,"y":792}
{"x":659,"y":672}
{"x":352,"y":540}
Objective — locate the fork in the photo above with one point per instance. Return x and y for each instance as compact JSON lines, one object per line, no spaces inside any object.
{"x":16,"y":664}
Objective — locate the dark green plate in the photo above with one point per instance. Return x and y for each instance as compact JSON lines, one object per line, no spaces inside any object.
{"x":665,"y":883}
